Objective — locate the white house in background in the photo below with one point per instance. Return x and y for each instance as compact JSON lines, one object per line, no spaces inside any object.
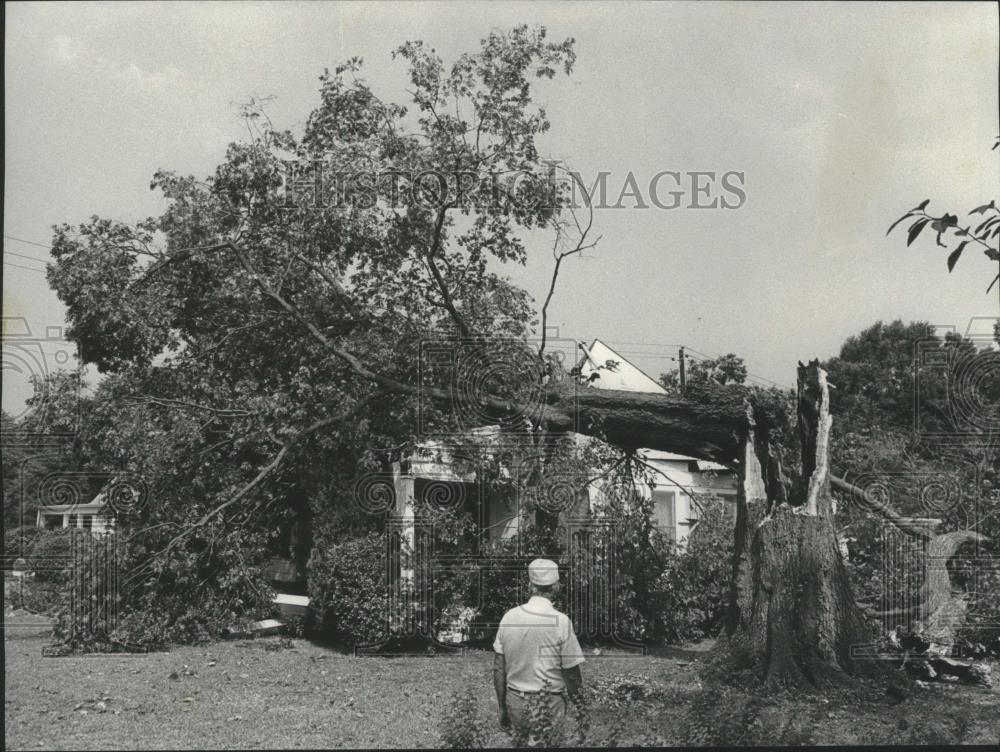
{"x":681,"y":483}
{"x":92,"y":516}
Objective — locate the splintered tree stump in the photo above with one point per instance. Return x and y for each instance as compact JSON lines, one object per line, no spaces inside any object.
{"x":792,"y":613}
{"x":803,"y":620}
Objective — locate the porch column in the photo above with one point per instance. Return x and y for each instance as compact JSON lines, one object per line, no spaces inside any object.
{"x":404,"y":512}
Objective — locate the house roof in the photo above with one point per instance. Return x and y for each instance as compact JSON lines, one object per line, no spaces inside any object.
{"x":623,"y":376}
{"x":97,"y":504}
{"x":654,"y":455}
{"x":93,"y":506}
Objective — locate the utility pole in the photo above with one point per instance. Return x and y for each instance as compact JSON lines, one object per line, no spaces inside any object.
{"x":680,"y":360}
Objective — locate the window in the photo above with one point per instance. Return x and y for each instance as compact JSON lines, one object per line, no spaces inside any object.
{"x":729,"y":499}
{"x":665,"y":511}
{"x":87,"y":520}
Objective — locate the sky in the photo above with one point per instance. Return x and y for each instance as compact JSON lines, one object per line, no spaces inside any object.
{"x":841,"y":117}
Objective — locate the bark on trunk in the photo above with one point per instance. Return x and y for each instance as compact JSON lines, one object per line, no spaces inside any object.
{"x":802,"y":620}
{"x":793,"y":618}
{"x":707,"y":422}
{"x":943,"y":611}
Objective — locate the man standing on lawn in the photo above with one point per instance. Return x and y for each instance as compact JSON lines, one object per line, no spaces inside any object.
{"x":536,"y":651}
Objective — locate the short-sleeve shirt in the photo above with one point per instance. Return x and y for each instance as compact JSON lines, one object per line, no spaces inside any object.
{"x":537,"y":643}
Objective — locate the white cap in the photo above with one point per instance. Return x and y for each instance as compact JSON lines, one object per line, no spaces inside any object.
{"x":543,"y":572}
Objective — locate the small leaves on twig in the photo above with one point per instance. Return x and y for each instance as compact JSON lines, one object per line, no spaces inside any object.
{"x":986,"y":230}
{"x":954,"y":255}
{"x":915,"y":229}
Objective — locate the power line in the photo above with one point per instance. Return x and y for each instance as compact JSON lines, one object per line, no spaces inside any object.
{"x":649,"y":344}
{"x":673,"y":358}
{"x":688,"y":348}
{"x":29,"y":268}
{"x":749,"y":375}
{"x":652,"y":356}
{"x":703,"y":355}
{"x":24,"y":256}
{"x":47,"y":246}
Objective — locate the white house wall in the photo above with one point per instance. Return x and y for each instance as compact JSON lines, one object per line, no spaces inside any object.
{"x":674,"y":476}
{"x":74,"y":515}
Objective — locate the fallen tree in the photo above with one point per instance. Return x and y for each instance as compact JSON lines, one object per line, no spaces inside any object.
{"x":287,"y":327}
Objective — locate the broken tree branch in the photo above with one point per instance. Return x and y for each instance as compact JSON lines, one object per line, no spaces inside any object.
{"x":870,"y":503}
{"x":262,"y":475}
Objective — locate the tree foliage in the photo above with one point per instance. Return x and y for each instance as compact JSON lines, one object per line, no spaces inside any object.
{"x":978,"y":231}
{"x":45,"y":445}
{"x":916,"y":428}
{"x":251,"y":334}
{"x":725,"y":369}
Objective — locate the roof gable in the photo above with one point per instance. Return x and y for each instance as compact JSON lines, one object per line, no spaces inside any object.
{"x":624,"y":376}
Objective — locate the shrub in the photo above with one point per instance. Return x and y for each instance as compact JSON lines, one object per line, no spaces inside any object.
{"x":577,"y":729}
{"x":662,"y":592}
{"x":689,"y":598}
{"x":721,"y":716}
{"x":542,"y":728}
{"x":867,"y":542}
{"x":36,"y":598}
{"x":622,"y":579}
{"x":501,"y":584}
{"x":352,"y":598}
{"x":979,"y":637}
{"x":46,"y":553}
{"x":17,"y":541}
{"x":659,"y":593}
{"x":622,"y":559}
{"x":45,"y":587}
{"x":624,"y":690}
{"x":156,"y":621}
{"x":461,"y":726}
{"x":195,"y":593}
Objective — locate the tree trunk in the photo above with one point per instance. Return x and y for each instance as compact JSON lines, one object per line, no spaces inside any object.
{"x":801,"y":621}
{"x":707,"y":422}
{"x":793,"y":619}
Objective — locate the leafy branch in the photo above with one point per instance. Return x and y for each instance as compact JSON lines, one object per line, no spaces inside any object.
{"x":947,"y":226}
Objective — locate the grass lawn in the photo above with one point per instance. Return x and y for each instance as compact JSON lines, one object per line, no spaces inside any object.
{"x":262,"y":693}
